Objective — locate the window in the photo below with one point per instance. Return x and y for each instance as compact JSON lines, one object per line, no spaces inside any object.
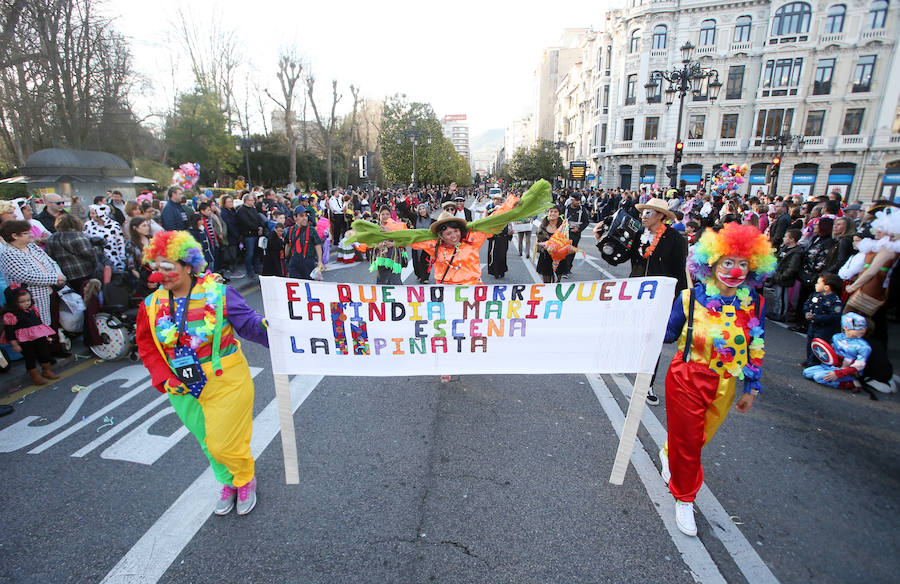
{"x":862,"y":77}
{"x":628,"y":130}
{"x":815,"y":120}
{"x":603,"y":136}
{"x":605,"y":98}
{"x":877,"y":14}
{"x":792,"y":18}
{"x":635,"y":45}
{"x":742,"y":29}
{"x":695,"y":126}
{"x":782,"y":73}
{"x":707,"y":33}
{"x":834,"y":23}
{"x":729,"y":126}
{"x":608,"y":58}
{"x":852,"y":121}
{"x":630,"y":89}
{"x":824,"y":72}
{"x":651,"y":128}
{"x":600,"y":60}
{"x":734,"y":86}
{"x":654,"y":94}
{"x":659,"y":36}
{"x":597,"y":100}
{"x":773,"y":122}
{"x":701,"y":91}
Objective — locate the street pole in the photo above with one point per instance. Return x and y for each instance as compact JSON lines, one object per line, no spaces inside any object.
{"x":677,"y":163}
{"x":414,"y":140}
{"x":247,"y":160}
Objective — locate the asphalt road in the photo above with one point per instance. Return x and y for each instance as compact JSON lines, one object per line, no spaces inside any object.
{"x":498,"y":478}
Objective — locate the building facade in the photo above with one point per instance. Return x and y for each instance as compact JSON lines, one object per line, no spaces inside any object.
{"x":456,"y":129}
{"x":816,"y":84}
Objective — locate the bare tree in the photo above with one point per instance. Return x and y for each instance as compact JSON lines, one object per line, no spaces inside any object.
{"x":325,"y":130}
{"x":355,"y":91}
{"x":290,"y":71}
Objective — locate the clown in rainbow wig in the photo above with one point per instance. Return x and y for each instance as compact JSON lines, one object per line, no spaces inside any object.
{"x":718,"y":325}
{"x":186,"y":339}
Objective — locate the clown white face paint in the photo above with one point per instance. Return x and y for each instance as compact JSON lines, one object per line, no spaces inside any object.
{"x":731,"y":271}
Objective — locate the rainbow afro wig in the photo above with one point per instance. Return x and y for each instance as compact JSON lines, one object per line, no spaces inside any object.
{"x":177,"y":246}
{"x":737,"y":240}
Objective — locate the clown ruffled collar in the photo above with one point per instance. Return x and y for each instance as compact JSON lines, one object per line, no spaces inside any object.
{"x":166,"y":329}
{"x":722,"y":342}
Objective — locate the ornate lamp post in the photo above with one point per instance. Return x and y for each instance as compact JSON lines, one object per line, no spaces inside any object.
{"x":689,"y":78}
{"x":248,"y":145}
{"x":413,"y":136}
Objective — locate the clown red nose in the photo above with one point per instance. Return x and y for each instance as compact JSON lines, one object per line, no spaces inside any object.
{"x":736,"y":272}
{"x":156,"y":278}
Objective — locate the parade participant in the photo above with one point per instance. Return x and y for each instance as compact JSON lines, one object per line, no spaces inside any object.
{"x":549,"y":270}
{"x":498,"y":244}
{"x":719,"y":327}
{"x":662,"y":251}
{"x":853,"y":352}
{"x":186,"y":340}
{"x":452,"y":242}
{"x":419,"y":257}
{"x":303,"y":247}
{"x":577,"y":216}
{"x":389,"y":259}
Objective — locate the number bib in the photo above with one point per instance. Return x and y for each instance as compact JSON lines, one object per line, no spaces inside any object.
{"x":187,"y":369}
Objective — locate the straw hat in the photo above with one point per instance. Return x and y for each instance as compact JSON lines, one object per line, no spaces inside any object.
{"x":445,"y":218}
{"x":656,"y":205}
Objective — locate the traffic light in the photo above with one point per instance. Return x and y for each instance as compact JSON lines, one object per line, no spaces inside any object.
{"x":672,"y":173}
{"x":776,"y":164}
{"x":679,"y":148}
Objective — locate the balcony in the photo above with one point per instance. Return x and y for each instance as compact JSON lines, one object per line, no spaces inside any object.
{"x":651,"y":145}
{"x":695,"y":145}
{"x":705,"y":50}
{"x":791,"y":38}
{"x":886,"y":141}
{"x":659,"y":53}
{"x":827,"y":39}
{"x":735,"y":47}
{"x":730,"y":145}
{"x":851,"y":142}
{"x":620,"y":147}
{"x":877,"y":34}
{"x":817,"y":143}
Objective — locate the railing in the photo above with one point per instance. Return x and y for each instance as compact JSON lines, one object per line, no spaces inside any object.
{"x":813,"y":141}
{"x":886,"y":140}
{"x":728,"y":144}
{"x":627,"y":145}
{"x":706,"y":50}
{"x":659,"y":53}
{"x":873,"y":34}
{"x":837,"y":37}
{"x":741,"y":46}
{"x":852,"y":141}
{"x":695,"y":145}
{"x":651,"y":144}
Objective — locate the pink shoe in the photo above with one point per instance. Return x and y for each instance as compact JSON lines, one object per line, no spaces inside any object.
{"x":246,"y":497}
{"x":226,"y":500}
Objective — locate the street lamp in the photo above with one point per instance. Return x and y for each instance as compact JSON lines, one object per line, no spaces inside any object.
{"x":248,"y":145}
{"x":688,"y":78}
{"x":413,"y":135}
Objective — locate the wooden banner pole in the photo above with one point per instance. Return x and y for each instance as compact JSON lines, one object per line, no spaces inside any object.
{"x":629,"y":430}
{"x":288,"y":438}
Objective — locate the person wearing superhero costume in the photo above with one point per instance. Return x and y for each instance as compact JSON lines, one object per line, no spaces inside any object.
{"x":853,"y":351}
{"x":719,"y":327}
{"x":186,"y":340}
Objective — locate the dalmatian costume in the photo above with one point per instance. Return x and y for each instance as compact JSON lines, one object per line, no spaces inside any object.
{"x":111,"y":232}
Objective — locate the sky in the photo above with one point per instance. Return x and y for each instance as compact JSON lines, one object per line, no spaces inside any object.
{"x":464,"y":57}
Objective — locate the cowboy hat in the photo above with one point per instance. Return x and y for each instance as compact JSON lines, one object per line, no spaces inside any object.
{"x":445,"y":218}
{"x":655,"y":204}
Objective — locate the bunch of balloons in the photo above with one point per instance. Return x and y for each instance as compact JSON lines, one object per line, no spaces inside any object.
{"x":186,"y":175}
{"x":729,"y":179}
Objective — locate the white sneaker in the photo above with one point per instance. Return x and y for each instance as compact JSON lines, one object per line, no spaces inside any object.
{"x":684,"y":518}
{"x":651,"y":398}
{"x":664,"y":466}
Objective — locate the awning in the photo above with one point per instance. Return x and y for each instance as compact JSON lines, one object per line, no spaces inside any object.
{"x":803,"y":178}
{"x":891,"y":177}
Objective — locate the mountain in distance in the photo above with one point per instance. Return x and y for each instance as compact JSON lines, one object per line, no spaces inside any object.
{"x":484,"y":146}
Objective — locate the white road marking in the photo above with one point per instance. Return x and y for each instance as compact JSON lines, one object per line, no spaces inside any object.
{"x":154,"y":552}
{"x":746,"y":558}
{"x":692,"y":550}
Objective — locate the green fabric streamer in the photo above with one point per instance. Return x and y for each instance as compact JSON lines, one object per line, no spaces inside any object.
{"x":384,"y":262}
{"x":533,"y":202}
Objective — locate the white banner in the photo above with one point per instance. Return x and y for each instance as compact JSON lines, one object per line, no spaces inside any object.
{"x":610,"y":326}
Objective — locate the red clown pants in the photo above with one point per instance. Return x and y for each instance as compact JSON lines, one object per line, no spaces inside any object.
{"x":697,"y":401}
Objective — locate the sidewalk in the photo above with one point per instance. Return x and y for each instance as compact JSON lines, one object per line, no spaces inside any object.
{"x":16,"y":383}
